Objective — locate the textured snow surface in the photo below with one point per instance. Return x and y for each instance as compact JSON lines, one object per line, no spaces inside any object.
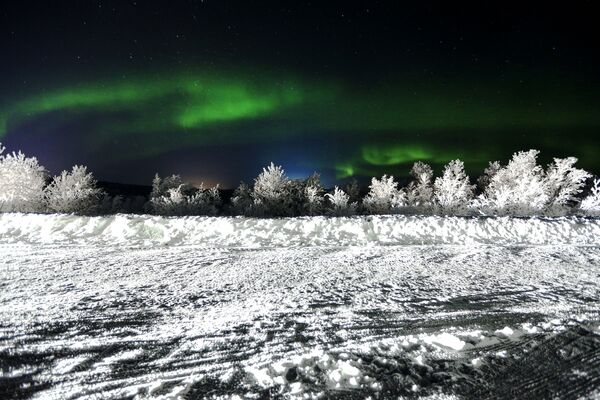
{"x":134,"y":230}
{"x":106,"y":321}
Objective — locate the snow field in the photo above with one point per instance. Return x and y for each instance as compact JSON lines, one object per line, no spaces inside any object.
{"x":298,"y":322}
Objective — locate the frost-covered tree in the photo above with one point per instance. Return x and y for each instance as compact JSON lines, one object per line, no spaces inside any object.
{"x":271,"y":183}
{"x":73,"y":192}
{"x":314,"y":200}
{"x":22,"y":181}
{"x":352,"y":189}
{"x":563,"y":184}
{"x":241,"y":201}
{"x":161,"y":186}
{"x":419,"y":193}
{"x":339,"y":203}
{"x":271,"y":192}
{"x":590,"y":205}
{"x":488,"y":173}
{"x":274,"y":194}
{"x":312,"y":195}
{"x":205,"y":201}
{"x":523,"y":188}
{"x":384,"y":196}
{"x":172,"y":196}
{"x":452,"y":190}
{"x":518,"y":188}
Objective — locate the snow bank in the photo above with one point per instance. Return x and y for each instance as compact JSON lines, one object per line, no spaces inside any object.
{"x":146,"y":230}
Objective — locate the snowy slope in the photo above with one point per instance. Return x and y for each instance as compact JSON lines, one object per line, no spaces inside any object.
{"x":135,"y":230}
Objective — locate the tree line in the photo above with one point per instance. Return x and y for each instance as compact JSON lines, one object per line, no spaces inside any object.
{"x":519,"y":188}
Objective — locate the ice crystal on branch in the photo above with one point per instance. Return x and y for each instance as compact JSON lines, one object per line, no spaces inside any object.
{"x":591,"y":204}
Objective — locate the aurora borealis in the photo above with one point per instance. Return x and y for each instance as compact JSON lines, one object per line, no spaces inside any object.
{"x":311,"y":91}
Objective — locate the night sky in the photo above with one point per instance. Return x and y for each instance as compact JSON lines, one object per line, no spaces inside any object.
{"x":214,"y":90}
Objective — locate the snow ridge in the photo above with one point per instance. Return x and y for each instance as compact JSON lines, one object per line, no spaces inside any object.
{"x":146,"y":230}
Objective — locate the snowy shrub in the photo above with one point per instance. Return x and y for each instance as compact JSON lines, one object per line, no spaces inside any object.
{"x":485,"y":179}
{"x":272,"y":191}
{"x":313,"y":196}
{"x":202,"y":201}
{"x":314,"y":200}
{"x":22,"y":182}
{"x":515,"y":189}
{"x":591,"y":204}
{"x":161,"y":186}
{"x":241,"y":201}
{"x":384,"y":196}
{"x":275,"y":195}
{"x":73,"y":192}
{"x":352,"y":189}
{"x":339,"y":204}
{"x":172,"y":196}
{"x":452,"y":190}
{"x":523,"y":188}
{"x":303,"y":197}
{"x":271,"y":184}
{"x":419,"y":193}
{"x":563,"y":184}
{"x":309,"y":196}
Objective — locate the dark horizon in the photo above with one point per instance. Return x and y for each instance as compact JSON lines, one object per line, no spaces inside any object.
{"x":214,"y":91}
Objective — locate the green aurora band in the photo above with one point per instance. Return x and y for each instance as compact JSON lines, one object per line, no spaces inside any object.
{"x":190,"y":102}
{"x":392,"y":125}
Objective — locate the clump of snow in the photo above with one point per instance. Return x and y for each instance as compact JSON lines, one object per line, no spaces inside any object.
{"x":260,"y":376}
{"x":447,"y":340}
{"x":148,"y":230}
{"x":506,"y":331}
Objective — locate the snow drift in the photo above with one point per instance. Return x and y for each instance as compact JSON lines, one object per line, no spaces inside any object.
{"x":145,"y":230}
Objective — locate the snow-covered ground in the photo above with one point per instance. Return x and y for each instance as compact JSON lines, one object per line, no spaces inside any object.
{"x":380,"y":307}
